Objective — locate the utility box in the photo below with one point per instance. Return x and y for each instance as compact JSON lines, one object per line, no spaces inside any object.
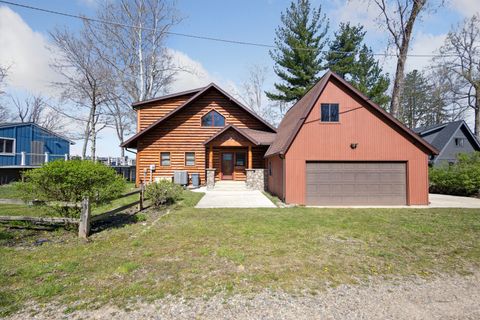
{"x":195,"y":180}
{"x":180,"y":177}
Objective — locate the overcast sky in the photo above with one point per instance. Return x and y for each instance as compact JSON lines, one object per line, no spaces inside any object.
{"x":24,"y":36}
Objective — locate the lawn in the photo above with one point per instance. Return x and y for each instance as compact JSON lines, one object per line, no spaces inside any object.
{"x":201,"y":252}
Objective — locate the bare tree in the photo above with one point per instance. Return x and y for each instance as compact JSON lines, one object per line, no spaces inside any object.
{"x":253,"y":94}
{"x":460,"y":58}
{"x":4,"y":114}
{"x":34,"y":108}
{"x":399,"y":17}
{"x":85,"y":82}
{"x":140,"y":64}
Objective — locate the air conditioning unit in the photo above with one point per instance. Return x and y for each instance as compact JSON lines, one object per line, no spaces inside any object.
{"x":180,"y":177}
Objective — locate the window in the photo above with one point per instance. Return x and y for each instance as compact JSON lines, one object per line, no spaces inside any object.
{"x":240,"y":159}
{"x":6,"y":146}
{"x":329,"y":112}
{"x":189,"y":158}
{"x":213,"y":119}
{"x":165,"y":158}
{"x":459,"y":142}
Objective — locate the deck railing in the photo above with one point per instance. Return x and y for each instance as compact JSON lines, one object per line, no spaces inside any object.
{"x":37,"y":159}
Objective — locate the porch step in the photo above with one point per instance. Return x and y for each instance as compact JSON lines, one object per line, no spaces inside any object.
{"x":230,"y":186}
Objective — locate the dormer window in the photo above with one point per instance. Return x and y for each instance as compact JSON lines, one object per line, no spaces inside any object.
{"x":329,"y":112}
{"x":213,"y":119}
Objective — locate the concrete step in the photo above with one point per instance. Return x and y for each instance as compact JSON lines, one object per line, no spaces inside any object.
{"x":230,"y":186}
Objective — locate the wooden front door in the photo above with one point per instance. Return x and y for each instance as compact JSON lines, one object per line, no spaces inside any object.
{"x":227,"y":165}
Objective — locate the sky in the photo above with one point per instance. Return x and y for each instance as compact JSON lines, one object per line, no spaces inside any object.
{"x":24,"y":37}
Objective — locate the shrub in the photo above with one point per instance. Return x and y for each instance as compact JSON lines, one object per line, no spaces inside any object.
{"x":462,"y":178}
{"x":70,"y":181}
{"x":163,"y":192}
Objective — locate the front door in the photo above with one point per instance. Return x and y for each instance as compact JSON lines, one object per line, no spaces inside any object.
{"x":227,"y":165}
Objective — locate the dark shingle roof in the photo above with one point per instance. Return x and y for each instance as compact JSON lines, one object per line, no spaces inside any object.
{"x":257,"y":137}
{"x":445,"y":132}
{"x":295,"y":117}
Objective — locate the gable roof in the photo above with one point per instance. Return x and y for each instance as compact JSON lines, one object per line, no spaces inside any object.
{"x":18,"y":124}
{"x":257,"y":137}
{"x":296,"y":115}
{"x":142,"y":103}
{"x":132,"y":141}
{"x":445,"y":132}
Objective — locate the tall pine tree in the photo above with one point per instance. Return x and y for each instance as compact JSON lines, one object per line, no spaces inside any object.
{"x":369,"y":79}
{"x":349,"y":57}
{"x":299,"y":43}
{"x":415,"y":100}
{"x":344,"y":49}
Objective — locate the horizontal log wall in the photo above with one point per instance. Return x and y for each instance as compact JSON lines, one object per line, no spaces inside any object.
{"x":184,"y":133}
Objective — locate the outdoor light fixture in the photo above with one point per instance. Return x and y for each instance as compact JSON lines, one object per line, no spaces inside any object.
{"x":353,"y":145}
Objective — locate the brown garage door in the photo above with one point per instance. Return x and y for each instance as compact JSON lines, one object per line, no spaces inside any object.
{"x":356,"y":183}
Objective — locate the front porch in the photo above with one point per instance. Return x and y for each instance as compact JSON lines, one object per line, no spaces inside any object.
{"x":233,"y":155}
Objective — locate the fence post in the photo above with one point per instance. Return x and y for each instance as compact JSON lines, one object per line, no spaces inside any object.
{"x":23,"y":158}
{"x":66,"y":156}
{"x":84,"y":225}
{"x":46,"y":157}
{"x":142,"y":196}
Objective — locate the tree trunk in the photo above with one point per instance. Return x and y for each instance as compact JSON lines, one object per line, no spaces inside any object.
{"x":402,"y":57}
{"x":477,"y":114}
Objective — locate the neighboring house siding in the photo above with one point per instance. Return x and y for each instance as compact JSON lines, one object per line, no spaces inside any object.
{"x":184,"y":133}
{"x":151,"y":112}
{"x":450,"y":151}
{"x":275,"y":179}
{"x":377,"y":141}
{"x":8,"y":160}
{"x":24,"y":136}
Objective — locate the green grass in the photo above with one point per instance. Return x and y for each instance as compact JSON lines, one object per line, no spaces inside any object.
{"x":26,"y":210}
{"x":193,"y":252}
{"x":9,"y":191}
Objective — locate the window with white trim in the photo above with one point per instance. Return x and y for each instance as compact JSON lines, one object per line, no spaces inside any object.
{"x":7,"y":145}
{"x":189,"y":158}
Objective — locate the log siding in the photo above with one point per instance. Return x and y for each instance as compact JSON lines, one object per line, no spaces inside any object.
{"x":183,"y":133}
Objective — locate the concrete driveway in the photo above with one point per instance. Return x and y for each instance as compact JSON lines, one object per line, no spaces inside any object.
{"x":234,"y":199}
{"x":446,"y":201}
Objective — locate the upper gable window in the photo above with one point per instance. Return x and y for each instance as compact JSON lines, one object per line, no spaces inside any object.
{"x":459,"y":142}
{"x":329,"y":112}
{"x":213,"y":119}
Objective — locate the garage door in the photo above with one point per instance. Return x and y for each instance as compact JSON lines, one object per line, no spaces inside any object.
{"x":356,"y":183}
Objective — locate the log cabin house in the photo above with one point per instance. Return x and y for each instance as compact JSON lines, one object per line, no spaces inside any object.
{"x":333,"y":147}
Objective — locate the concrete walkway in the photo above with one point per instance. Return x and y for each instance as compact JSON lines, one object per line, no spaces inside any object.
{"x":446,"y":201}
{"x":230,"y":194}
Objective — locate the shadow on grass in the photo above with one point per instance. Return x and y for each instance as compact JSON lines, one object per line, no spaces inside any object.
{"x":118,"y":220}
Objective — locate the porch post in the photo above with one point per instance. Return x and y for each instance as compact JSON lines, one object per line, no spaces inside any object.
{"x":210,"y":157}
{"x":249,"y":157}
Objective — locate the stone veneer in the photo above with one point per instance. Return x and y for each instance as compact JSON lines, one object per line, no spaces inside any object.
{"x":256,"y":179}
{"x":210,"y":178}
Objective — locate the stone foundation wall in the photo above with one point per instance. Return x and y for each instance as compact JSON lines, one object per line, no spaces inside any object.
{"x":210,"y":178}
{"x":256,"y":179}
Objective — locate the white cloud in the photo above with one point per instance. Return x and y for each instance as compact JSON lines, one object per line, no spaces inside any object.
{"x":424,"y":44}
{"x":25,"y":51}
{"x":466,"y":7}
{"x":193,"y":76}
{"x":361,"y":12}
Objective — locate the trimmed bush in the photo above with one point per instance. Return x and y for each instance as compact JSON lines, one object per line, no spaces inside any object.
{"x":70,"y":181}
{"x":462,"y":178}
{"x":163,"y":192}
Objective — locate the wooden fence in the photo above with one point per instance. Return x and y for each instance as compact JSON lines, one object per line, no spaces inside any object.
{"x":86,"y":219}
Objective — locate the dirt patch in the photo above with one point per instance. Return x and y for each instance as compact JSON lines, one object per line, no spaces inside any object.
{"x":445,"y":297}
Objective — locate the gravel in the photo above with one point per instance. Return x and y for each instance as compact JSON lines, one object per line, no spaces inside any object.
{"x":444,"y":297}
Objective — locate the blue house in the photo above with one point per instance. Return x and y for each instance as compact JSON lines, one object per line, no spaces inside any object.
{"x":28,"y":145}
